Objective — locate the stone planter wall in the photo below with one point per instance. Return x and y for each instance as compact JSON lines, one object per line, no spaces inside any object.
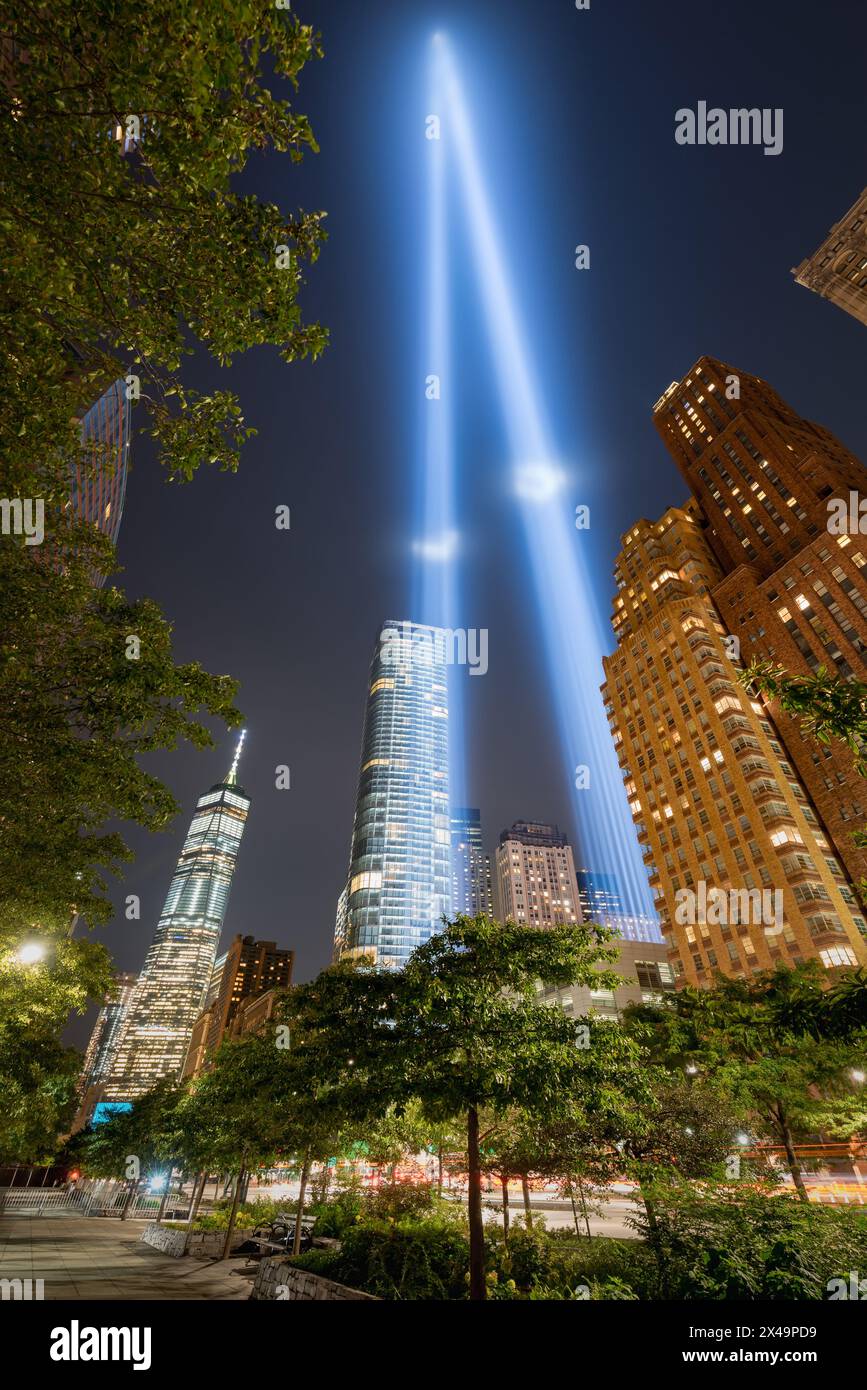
{"x":165,"y":1239}
{"x":278,"y":1281}
{"x":202,"y":1245}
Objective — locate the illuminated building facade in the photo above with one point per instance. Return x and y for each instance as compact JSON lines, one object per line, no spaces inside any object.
{"x":248,"y":969}
{"x":175,"y":981}
{"x":788,"y":589}
{"x":601,"y":902}
{"x":106,"y":1033}
{"x":99,"y":479}
{"x":838,"y":269}
{"x":399,"y":882}
{"x":716,"y":802}
{"x":472,"y":884}
{"x":536,"y":881}
{"x":646,"y":974}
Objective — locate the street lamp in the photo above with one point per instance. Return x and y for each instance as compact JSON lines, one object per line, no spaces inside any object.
{"x":858,"y":1076}
{"x":30,"y":952}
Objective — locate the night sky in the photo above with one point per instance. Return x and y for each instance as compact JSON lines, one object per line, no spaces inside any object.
{"x":691,"y":251}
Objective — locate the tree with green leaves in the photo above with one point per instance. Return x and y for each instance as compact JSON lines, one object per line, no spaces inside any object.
{"x":132,"y":1145}
{"x":38,"y":1074}
{"x":470,"y":1033}
{"x":750,"y":1037}
{"x":129,"y":130}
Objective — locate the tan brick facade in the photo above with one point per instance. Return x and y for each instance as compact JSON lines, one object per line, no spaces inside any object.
{"x":838,"y":269}
{"x":717,"y":804}
{"x":789,"y":590}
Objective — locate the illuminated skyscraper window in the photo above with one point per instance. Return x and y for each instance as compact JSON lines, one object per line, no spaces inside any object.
{"x":177,"y":972}
{"x":399,"y":880}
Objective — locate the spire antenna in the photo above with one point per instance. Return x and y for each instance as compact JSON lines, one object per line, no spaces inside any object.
{"x":233,"y":770}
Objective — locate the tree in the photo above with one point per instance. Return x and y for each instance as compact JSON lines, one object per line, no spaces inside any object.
{"x":38,"y":1074}
{"x":134,"y":1144}
{"x":129,"y":133}
{"x":470,"y":1033}
{"x":128,"y":130}
{"x":78,"y":710}
{"x":750,"y":1037}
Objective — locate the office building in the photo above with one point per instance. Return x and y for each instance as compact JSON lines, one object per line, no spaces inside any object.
{"x":742,"y":871}
{"x":838,"y":269}
{"x":536,"y":883}
{"x":398,"y":886}
{"x":177,"y":974}
{"x":472,"y":883}
{"x":646,"y":974}
{"x":247,"y":970}
{"x":788,"y":588}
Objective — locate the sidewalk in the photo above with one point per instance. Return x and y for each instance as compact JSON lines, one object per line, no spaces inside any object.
{"x":101,"y":1258}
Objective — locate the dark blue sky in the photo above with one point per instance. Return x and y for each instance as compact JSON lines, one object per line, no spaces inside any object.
{"x":691,"y":250}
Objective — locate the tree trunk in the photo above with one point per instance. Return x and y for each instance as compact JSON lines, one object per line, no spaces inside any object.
{"x":794,"y":1166}
{"x":198,"y":1194}
{"x":504,"y":1183}
{"x":302,"y":1188}
{"x":584,"y":1209}
{"x":440,"y":1171}
{"x":131,"y":1191}
{"x":478,"y":1289}
{"x":571,"y":1192}
{"x":230,"y":1229}
{"x":165,"y":1197}
{"x":525,"y":1188}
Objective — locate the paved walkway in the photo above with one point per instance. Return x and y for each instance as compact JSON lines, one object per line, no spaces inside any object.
{"x":101,"y":1257}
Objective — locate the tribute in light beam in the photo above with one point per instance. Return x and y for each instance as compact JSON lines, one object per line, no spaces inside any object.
{"x":435,"y":594}
{"x":567,"y":614}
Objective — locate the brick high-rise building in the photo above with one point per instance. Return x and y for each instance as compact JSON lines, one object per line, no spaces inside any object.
{"x":249,"y":969}
{"x":536,"y":881}
{"x":838,"y":269}
{"x":717,"y":805}
{"x":787,"y":588}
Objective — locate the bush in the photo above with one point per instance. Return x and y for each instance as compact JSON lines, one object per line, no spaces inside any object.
{"x":397,"y":1201}
{"x":752,"y":1246}
{"x":416,"y":1261}
{"x":336,"y":1217}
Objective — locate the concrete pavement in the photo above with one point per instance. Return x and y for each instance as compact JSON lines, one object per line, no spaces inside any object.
{"x":101,"y":1258}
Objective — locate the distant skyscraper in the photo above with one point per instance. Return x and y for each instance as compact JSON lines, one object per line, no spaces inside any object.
{"x":536,"y":881}
{"x":249,"y":968}
{"x":742,"y":872}
{"x":601,"y":903}
{"x":99,"y":485}
{"x":177,"y":974}
{"x":399,"y":882}
{"x":789,"y":588}
{"x":472,"y":886}
{"x":838,"y":269}
{"x":106,"y":1032}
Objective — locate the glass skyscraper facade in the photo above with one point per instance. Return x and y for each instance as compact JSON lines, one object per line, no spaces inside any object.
{"x":472,"y":882}
{"x":399,"y":882}
{"x":107,"y":1030}
{"x":177,"y":973}
{"x":99,"y":482}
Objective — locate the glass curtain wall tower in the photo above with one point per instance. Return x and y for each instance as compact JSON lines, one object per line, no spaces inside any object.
{"x":172,"y":987}
{"x":399,"y":881}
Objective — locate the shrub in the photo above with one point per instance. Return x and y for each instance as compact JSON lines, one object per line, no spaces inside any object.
{"x":397,"y":1201}
{"x":414,"y":1261}
{"x":752,"y":1246}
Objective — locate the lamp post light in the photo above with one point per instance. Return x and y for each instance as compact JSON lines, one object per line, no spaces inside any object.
{"x":30,"y":953}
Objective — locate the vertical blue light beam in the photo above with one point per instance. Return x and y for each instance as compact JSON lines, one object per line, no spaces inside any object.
{"x":568,"y":617}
